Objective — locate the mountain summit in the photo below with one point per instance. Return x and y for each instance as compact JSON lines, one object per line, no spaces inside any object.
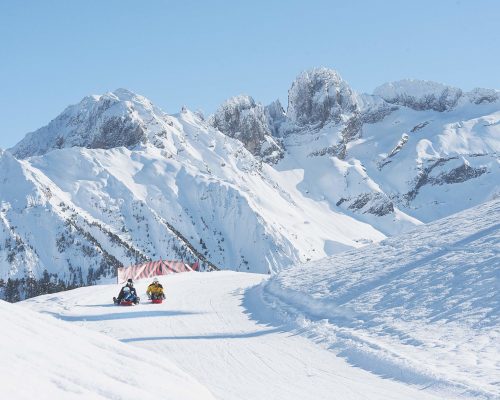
{"x":119,"y":118}
{"x":318,"y":96}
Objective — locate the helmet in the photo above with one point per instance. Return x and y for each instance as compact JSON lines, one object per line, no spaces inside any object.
{"x":130,"y":282}
{"x":155,"y":280}
{"x":126,"y":289}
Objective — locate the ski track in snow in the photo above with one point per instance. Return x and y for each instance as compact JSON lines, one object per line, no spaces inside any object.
{"x":212,"y":326}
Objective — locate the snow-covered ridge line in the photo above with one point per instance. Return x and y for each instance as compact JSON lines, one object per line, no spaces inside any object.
{"x":316,"y":98}
{"x":423,"y":95}
{"x":119,"y":118}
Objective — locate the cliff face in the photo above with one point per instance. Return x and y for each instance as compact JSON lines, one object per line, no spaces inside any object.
{"x":319,"y":96}
{"x":252,"y":124}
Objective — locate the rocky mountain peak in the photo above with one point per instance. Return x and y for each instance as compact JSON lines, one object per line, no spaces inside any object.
{"x":242,"y":118}
{"x":319,"y":96}
{"x":105,"y":121}
{"x":276,"y":116}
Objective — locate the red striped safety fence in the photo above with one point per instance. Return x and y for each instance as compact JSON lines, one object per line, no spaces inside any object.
{"x":154,"y":268}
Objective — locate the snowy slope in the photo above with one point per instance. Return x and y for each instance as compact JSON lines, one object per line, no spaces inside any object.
{"x":414,"y":149}
{"x":402,"y":155}
{"x":209,"y":326}
{"x":44,"y":358}
{"x":141,"y":204}
{"x":421,"y":307}
{"x":433,"y":164}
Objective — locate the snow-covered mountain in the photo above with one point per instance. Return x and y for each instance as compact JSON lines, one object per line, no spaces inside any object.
{"x":114,"y":180}
{"x":121,"y":118}
{"x":318,"y":97}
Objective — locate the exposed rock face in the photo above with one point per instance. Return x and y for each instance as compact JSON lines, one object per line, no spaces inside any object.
{"x":319,"y":96}
{"x":351,"y":131}
{"x":420,"y":95}
{"x":117,"y":131}
{"x":386,"y":160}
{"x":369,"y":203}
{"x":374,"y":109}
{"x":111,"y":120}
{"x":459,"y":174}
{"x":276,"y":117}
{"x":242,"y":118}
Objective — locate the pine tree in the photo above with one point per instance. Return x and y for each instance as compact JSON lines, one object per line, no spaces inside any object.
{"x":12,"y":291}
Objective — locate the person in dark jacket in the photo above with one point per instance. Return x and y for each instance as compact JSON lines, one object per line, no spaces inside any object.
{"x":127,"y":292}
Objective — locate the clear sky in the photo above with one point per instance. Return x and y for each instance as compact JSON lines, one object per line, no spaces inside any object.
{"x":198,"y":53}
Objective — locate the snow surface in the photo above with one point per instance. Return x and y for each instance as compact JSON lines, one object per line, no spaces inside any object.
{"x":212,"y":326}
{"x":423,"y":307}
{"x":414,"y":317}
{"x":43,"y":358}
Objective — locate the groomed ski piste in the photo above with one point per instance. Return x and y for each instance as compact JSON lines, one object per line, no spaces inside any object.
{"x":413,"y":317}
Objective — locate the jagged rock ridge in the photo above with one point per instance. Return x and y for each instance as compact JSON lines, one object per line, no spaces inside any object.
{"x":242,"y":118}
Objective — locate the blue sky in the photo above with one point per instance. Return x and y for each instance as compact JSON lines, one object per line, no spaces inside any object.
{"x":198,"y":53}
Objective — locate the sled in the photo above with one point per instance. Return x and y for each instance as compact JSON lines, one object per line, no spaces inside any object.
{"x":124,"y":302}
{"x":157,"y":301}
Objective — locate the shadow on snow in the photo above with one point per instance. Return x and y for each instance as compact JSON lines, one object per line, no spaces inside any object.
{"x":214,"y":336}
{"x":119,"y":315}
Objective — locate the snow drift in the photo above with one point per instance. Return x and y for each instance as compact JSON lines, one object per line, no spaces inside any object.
{"x":420,"y":307}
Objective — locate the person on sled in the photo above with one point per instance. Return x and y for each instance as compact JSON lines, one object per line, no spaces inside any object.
{"x":127,"y":293}
{"x":155,"y":290}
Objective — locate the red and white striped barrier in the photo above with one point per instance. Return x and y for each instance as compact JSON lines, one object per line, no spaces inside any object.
{"x":154,"y":268}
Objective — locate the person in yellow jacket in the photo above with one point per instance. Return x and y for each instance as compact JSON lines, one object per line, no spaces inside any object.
{"x":155,"y":290}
